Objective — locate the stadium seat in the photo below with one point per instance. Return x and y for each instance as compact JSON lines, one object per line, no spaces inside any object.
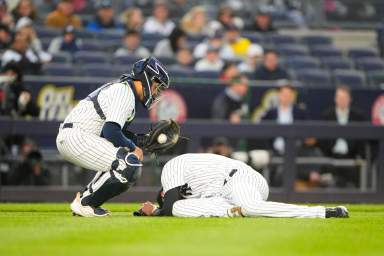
{"x":302,"y":62}
{"x":86,"y":34}
{"x":149,"y":44}
{"x":180,"y":73}
{"x":61,"y":57}
{"x":206,"y":74}
{"x":289,"y":50}
{"x":91,"y":57}
{"x":362,"y":52}
{"x":111,"y":35}
{"x":326,"y":51}
{"x":352,"y":78}
{"x":254,"y":37}
{"x":45,"y":32}
{"x":97,"y":70}
{"x":278,"y":39}
{"x":376,"y":79}
{"x":125,"y":60}
{"x":315,"y":40}
{"x":333,"y":63}
{"x":58,"y":69}
{"x":314,"y":77}
{"x":370,"y":64}
{"x":93,"y":45}
{"x":167,"y":60}
{"x":152,"y":37}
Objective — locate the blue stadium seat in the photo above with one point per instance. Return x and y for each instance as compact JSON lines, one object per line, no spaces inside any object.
{"x":362,"y":52}
{"x":46,"y":32}
{"x":93,"y":45}
{"x":180,"y":73}
{"x":352,"y":78}
{"x":206,"y":74}
{"x":278,"y":39}
{"x":314,"y":77}
{"x":152,"y":37}
{"x":61,"y":57}
{"x":289,"y":50}
{"x":302,"y":62}
{"x":326,"y":51}
{"x":333,"y":63}
{"x":376,"y":79}
{"x":86,"y":34}
{"x":314,"y":40}
{"x":111,"y":35}
{"x":125,"y":60}
{"x":97,"y":70}
{"x":91,"y":57}
{"x":370,"y":64}
{"x":59,"y":69}
{"x":167,"y":60}
{"x":149,"y":44}
{"x":254,"y":37}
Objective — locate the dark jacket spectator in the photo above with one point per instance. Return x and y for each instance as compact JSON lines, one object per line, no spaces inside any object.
{"x":262,"y":23}
{"x":230,"y":105}
{"x":68,"y":42}
{"x":298,"y":113}
{"x":30,"y":172}
{"x":5,"y":37}
{"x":168,"y":47}
{"x":16,"y":100}
{"x":104,"y":18}
{"x":270,"y":69}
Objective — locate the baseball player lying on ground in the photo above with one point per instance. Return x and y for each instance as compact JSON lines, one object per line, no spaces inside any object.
{"x":92,"y":138}
{"x":209,"y":185}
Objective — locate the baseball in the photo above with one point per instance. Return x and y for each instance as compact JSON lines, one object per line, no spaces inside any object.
{"x":162,"y":138}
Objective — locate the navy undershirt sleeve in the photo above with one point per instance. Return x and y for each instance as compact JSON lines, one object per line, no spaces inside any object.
{"x":112,"y":132}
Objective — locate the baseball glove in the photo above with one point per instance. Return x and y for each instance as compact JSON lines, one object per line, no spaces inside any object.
{"x":161,"y":137}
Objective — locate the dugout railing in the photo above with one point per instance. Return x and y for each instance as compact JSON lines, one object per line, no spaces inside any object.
{"x":196,"y":130}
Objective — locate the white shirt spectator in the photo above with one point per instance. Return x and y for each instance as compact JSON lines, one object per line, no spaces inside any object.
{"x":141,"y":52}
{"x":152,"y":25}
{"x":206,"y":65}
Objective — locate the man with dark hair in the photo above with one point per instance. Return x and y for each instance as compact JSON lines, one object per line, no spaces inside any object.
{"x":131,"y":46}
{"x":270,"y":70}
{"x":104,"y":18}
{"x":230,"y":104}
{"x":63,"y":16}
{"x":68,"y":42}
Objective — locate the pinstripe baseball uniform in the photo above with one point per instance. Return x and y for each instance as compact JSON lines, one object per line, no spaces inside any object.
{"x":218,"y":183}
{"x":82,"y":144}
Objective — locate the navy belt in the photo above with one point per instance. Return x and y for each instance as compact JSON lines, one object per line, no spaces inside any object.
{"x":67,"y":125}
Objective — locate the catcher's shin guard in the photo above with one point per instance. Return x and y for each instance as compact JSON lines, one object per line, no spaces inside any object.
{"x":125,"y":171}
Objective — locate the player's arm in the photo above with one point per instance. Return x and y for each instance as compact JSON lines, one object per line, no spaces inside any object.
{"x":112,"y":132}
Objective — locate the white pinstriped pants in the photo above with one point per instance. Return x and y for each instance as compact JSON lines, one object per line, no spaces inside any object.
{"x":85,"y":149}
{"x":249,"y":190}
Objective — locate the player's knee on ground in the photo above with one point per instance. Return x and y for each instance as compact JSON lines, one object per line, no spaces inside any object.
{"x":125,"y":171}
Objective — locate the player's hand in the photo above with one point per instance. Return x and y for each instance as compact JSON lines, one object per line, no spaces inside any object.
{"x":139,"y":153}
{"x":148,"y":208}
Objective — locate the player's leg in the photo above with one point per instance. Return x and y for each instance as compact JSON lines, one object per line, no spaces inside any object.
{"x":246,"y":195}
{"x":201,"y":207}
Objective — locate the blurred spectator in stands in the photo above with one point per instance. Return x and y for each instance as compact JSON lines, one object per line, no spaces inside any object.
{"x":184,"y":61}
{"x":5,"y":37}
{"x":31,"y":171}
{"x":63,"y":16}
{"x":230,"y":105}
{"x":262,"y":23}
{"x":17,"y":100}
{"x":169,"y":46}
{"x":194,"y":23}
{"x":220,"y":146}
{"x":225,"y":18}
{"x":211,"y":61}
{"x":254,"y":53}
{"x":132,"y":46}
{"x":68,"y":42}
{"x":21,"y":53}
{"x":286,"y":112}
{"x":159,"y":22}
{"x":229,"y":71}
{"x":270,"y":70}
{"x":25,"y":8}
{"x":104,"y":18}
{"x":177,"y":8}
{"x":215,"y":40}
{"x":343,"y":113}
{"x":290,"y":9}
{"x":5,"y":17}
{"x":133,"y":19}
{"x":25,"y":26}
{"x":235,"y":46}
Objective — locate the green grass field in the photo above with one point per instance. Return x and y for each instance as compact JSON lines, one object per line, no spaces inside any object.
{"x":50,"y":229}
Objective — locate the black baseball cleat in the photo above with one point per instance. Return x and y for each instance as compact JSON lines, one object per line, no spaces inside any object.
{"x":337,"y":212}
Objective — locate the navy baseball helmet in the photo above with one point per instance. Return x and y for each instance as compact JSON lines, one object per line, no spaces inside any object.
{"x":153,"y":76}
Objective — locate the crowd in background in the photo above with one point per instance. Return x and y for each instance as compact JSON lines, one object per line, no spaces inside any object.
{"x":223,"y":50}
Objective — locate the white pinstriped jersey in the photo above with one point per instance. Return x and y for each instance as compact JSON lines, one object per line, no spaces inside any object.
{"x":117,"y":102}
{"x":204,"y":173}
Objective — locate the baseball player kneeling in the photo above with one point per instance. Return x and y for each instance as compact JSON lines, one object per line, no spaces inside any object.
{"x":209,"y":185}
{"x":91,"y":135}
